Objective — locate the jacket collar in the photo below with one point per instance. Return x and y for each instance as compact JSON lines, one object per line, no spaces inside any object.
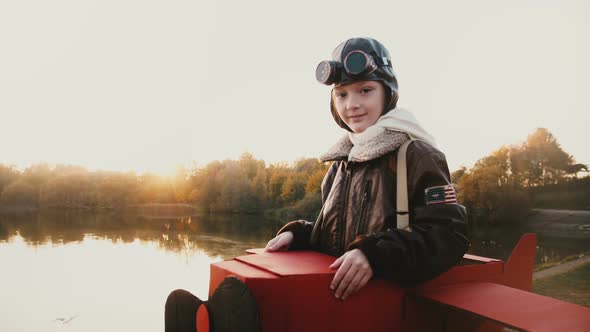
{"x":379,"y":146}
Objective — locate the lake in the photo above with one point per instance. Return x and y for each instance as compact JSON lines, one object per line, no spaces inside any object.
{"x":72,"y":271}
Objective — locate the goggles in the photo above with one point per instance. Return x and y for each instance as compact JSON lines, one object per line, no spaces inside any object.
{"x":356,"y":64}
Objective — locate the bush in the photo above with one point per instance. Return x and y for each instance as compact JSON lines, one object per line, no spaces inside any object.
{"x":307,"y":209}
{"x":511,"y":206}
{"x":505,"y":205}
{"x":574,"y":194}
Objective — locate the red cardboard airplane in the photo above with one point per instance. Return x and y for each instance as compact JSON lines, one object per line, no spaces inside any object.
{"x":292,"y":293}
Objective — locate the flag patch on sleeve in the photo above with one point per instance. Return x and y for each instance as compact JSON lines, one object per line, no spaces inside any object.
{"x":441,"y":195}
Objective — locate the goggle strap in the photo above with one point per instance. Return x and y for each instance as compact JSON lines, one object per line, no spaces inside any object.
{"x":383,"y":61}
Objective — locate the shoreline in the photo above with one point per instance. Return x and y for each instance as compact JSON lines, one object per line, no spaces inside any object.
{"x":560,"y":268}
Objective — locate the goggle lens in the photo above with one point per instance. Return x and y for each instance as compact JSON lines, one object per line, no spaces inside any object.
{"x":356,"y":63}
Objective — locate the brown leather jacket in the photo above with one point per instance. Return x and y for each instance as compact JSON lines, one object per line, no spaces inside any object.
{"x":359,"y":211}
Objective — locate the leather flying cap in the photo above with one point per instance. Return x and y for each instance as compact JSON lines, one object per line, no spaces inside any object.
{"x":383,"y":72}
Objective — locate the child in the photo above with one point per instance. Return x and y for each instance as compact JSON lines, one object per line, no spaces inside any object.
{"x":361,"y":220}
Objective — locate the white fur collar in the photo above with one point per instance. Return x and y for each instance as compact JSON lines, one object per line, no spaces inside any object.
{"x":380,"y":145}
{"x":390,"y":131}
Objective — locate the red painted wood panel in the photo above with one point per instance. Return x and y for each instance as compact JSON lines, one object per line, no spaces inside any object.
{"x":513,"y":307}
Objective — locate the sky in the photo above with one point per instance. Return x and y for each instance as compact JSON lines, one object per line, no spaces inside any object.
{"x":147,"y":85}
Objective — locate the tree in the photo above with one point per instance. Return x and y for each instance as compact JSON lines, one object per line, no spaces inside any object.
{"x":19,"y":193}
{"x":485,"y":194}
{"x":292,"y":190}
{"x":495,"y":186}
{"x":155,"y":189}
{"x":8,"y":174}
{"x":278,"y":175}
{"x":181,"y":185}
{"x":205,"y":189}
{"x":576,"y":169}
{"x":117,"y":191}
{"x":458,"y":174}
{"x":250,"y":165}
{"x":36,"y":175}
{"x":314,"y":182}
{"x":69,"y":191}
{"x":260,"y":187}
{"x":546,"y":162}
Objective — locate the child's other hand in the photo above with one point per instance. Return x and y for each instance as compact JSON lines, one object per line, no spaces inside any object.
{"x":280,"y":243}
{"x":354,"y":271}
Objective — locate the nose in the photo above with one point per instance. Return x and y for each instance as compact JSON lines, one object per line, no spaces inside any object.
{"x":353,"y":103}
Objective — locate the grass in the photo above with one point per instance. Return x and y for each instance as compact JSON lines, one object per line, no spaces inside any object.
{"x":571,"y":286}
{"x":543,"y":266}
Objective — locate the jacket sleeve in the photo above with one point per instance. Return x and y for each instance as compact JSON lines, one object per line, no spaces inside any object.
{"x":301,"y":228}
{"x":438,"y":238}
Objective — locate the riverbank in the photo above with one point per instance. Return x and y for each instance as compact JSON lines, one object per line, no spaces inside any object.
{"x":168,"y":210}
{"x":567,"y":282}
{"x":567,"y":264}
{"x":566,"y":279}
{"x":17,"y":209}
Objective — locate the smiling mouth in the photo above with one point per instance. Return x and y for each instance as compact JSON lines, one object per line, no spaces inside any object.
{"x":356,"y":116}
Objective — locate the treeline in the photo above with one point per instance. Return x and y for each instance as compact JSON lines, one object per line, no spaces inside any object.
{"x":246,"y":185}
{"x":504,"y":185}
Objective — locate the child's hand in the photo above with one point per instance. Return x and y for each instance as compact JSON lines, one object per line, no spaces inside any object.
{"x":354,"y":271}
{"x":280,"y":243}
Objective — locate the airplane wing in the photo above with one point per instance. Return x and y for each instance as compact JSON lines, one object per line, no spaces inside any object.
{"x":511,"y":307}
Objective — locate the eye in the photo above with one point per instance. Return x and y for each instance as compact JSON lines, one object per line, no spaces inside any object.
{"x":340,"y":94}
{"x":366,"y":90}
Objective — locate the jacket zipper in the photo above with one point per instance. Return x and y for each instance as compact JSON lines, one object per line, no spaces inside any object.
{"x":342,"y":226}
{"x":362,"y":224}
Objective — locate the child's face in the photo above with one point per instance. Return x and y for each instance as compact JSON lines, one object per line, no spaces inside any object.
{"x":359,"y":104}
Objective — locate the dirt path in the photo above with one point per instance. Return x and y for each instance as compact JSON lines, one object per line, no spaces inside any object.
{"x":561,"y":268}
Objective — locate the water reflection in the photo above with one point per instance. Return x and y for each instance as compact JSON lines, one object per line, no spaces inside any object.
{"x":115,"y":271}
{"x":498,"y":242}
{"x":228,"y":236}
{"x":111,"y":272}
{"x":216,"y":235}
